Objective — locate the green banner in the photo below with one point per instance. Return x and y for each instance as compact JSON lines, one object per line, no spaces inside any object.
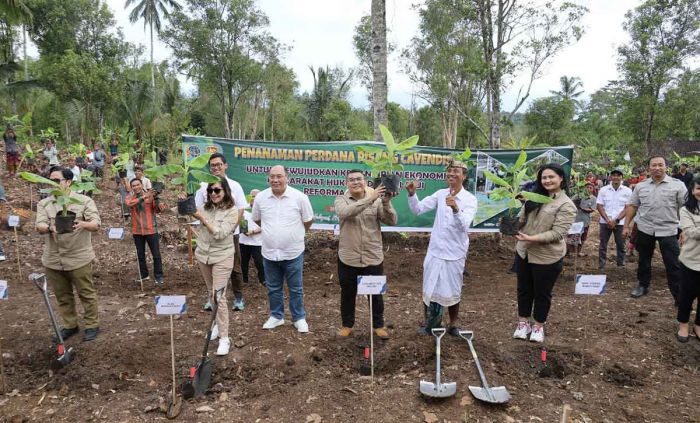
{"x":318,"y":169}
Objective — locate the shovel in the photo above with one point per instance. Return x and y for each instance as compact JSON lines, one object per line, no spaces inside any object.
{"x":200,"y":376}
{"x":64,"y":356}
{"x":438,"y":389}
{"x":496,"y":395}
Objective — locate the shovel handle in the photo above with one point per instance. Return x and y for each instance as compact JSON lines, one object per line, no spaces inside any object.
{"x":482,"y":376}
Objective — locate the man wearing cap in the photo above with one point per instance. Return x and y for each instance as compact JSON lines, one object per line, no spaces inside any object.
{"x":656,"y":203}
{"x":611,"y":203}
{"x":444,"y":262}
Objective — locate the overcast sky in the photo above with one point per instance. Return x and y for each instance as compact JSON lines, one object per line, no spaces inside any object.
{"x":320,"y":33}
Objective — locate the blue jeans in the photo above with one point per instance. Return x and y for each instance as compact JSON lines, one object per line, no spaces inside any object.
{"x":275,"y":273}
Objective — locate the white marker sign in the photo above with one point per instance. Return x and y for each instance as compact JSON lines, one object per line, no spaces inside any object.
{"x":3,"y":290}
{"x":590,"y":284}
{"x":13,"y":221}
{"x":171,"y":304}
{"x":371,"y":285}
{"x":115,"y":233}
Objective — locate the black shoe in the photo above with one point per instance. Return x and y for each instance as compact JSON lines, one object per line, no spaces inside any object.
{"x":66,"y":333}
{"x":453,"y":330}
{"x":682,"y":339}
{"x":90,"y":334}
{"x":639,"y":291}
{"x":422,"y":331}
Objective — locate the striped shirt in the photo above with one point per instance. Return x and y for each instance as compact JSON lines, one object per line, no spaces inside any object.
{"x":143,"y":214}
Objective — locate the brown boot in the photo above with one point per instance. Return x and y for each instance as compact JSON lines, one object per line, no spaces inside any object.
{"x":344,"y":332}
{"x":382,"y":333}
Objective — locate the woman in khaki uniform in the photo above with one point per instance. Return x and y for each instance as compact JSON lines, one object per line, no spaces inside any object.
{"x":541,"y":249}
{"x":690,"y":262}
{"x":215,"y":252}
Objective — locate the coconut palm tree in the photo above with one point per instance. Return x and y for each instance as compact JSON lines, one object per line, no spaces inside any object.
{"x":570,"y":88}
{"x":151,"y":11}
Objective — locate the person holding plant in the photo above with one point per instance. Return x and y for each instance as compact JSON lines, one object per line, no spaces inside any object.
{"x":68,"y":257}
{"x":540,"y":249}
{"x":113,"y":147}
{"x":690,"y":263}
{"x":218,"y":167}
{"x":50,"y":152}
{"x":654,"y":206}
{"x":284,"y":214}
{"x":361,"y":210}
{"x":11,"y":151}
{"x":98,"y":160}
{"x":611,"y":207}
{"x":584,"y":208}
{"x":444,"y":263}
{"x":215,"y":251}
{"x":251,"y":243}
{"x":144,"y":228}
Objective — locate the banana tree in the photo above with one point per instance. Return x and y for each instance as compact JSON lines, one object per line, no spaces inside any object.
{"x":188,"y":176}
{"x":383,"y":162}
{"x":62,"y":198}
{"x":510,"y":189}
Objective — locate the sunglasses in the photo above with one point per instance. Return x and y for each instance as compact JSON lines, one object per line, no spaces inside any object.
{"x":214,"y":190}
{"x":58,"y":181}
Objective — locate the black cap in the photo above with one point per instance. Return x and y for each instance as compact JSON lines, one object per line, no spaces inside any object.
{"x":618,"y":171}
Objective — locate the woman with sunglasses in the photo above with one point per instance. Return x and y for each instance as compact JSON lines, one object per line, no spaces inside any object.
{"x":215,"y":252}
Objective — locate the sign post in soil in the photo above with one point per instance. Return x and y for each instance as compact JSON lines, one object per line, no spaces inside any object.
{"x":13,"y":222}
{"x":172,"y":305}
{"x":589,"y":285}
{"x":371,"y":285}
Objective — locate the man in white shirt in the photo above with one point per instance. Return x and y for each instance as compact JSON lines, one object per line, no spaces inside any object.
{"x":74,"y":168}
{"x":611,"y":207}
{"x":251,"y":243}
{"x":145,"y":182}
{"x":285,"y":214}
{"x":449,"y":242}
{"x":218,"y":166}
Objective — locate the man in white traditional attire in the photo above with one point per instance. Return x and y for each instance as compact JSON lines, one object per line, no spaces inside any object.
{"x":449,"y":241}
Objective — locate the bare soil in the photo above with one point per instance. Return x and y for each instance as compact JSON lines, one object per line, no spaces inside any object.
{"x":611,"y":358}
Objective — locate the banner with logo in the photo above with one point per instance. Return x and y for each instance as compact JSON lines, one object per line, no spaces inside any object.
{"x":318,"y":169}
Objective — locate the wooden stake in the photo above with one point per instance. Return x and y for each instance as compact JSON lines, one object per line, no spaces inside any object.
{"x":19,"y":264}
{"x":189,"y":246}
{"x":371,"y":339}
{"x":172,"y":354}
{"x":3,"y":386}
{"x":565,"y":413}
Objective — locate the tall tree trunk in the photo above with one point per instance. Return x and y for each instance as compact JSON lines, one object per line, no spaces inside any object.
{"x":24,"y":47}
{"x":379,"y":59}
{"x":153,"y":72}
{"x":254,"y":117}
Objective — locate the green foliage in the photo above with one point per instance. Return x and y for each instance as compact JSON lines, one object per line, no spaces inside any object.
{"x":384,"y":158}
{"x":510,"y":185}
{"x":87,"y":183}
{"x":189,"y":175}
{"x":77,"y":150}
{"x":60,"y":194}
{"x":550,"y":119}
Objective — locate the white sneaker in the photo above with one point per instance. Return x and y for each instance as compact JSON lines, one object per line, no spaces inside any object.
{"x":214,"y":332}
{"x":301,"y":325}
{"x":522,"y":331}
{"x":273,"y":322}
{"x":537,"y":334}
{"x":224,"y":344}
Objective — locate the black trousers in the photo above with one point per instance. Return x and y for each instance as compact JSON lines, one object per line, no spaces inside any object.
{"x":236,"y":273}
{"x":347,"y":276}
{"x":535,"y":284}
{"x":669,"y":253}
{"x":254,"y":251}
{"x":605,"y":233}
{"x":689,"y":292}
{"x":152,"y":240}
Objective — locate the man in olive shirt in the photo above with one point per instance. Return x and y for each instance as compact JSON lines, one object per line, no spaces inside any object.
{"x":656,"y":202}
{"x":68,"y":257}
{"x":360,"y":210}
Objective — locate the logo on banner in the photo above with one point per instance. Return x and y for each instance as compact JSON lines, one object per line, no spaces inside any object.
{"x":590,"y":284}
{"x":171,"y":304}
{"x":371,"y":285}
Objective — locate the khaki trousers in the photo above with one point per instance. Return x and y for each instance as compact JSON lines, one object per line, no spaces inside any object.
{"x":216,"y":277}
{"x":63,"y":282}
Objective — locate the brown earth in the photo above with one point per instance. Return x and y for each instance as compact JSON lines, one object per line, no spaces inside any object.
{"x":611,"y":358}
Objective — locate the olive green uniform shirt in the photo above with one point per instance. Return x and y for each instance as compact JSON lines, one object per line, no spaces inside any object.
{"x":551,"y":223}
{"x":215,"y":247}
{"x":72,"y":250}
{"x":360,"y":240}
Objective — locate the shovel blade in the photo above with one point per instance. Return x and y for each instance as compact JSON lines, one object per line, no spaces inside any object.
{"x":174,"y":408}
{"x":497,"y":395}
{"x":202,"y":378}
{"x":63,"y":360}
{"x":442,"y":390}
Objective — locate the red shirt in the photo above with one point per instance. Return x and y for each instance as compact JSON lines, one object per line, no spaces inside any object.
{"x":143,"y":214}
